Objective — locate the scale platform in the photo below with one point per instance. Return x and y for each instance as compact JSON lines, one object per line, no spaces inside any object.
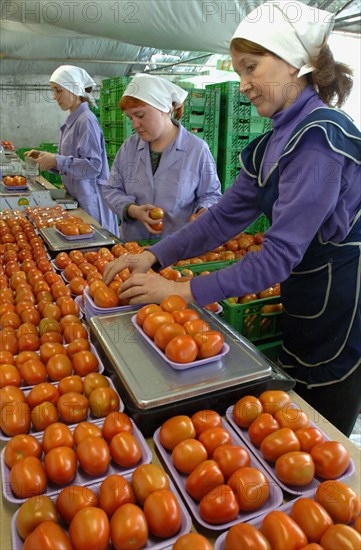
{"x":57,"y":243}
{"x":153,"y":391}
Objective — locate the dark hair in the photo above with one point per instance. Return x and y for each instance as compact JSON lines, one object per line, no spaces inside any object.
{"x":130,"y":102}
{"x":85,"y":99}
{"x":332,"y":80}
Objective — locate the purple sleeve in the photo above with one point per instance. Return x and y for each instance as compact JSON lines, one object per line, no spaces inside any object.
{"x":88,"y":163}
{"x":309,"y":188}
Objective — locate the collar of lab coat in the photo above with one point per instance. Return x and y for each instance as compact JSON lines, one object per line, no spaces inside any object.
{"x":181,"y":140}
{"x":73,"y":116}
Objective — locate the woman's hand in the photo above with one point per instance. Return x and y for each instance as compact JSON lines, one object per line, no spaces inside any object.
{"x":136,"y":263}
{"x":145,"y":288}
{"x":141,"y":213}
{"x":46,"y":160}
{"x":33,"y":153}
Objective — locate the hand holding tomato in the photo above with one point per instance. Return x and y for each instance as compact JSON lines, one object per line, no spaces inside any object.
{"x":143,"y":288}
{"x":136,"y":263}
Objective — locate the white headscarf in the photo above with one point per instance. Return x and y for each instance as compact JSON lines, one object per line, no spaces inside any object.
{"x":156,"y":91}
{"x":75,"y":80}
{"x":292,"y":30}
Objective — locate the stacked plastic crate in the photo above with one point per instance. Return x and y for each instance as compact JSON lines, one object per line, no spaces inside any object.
{"x":54,"y":179}
{"x":239,"y":124}
{"x":116,"y":126}
{"x":202,"y":114}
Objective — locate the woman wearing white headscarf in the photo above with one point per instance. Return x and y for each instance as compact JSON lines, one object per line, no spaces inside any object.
{"x":162,"y":165}
{"x":82,"y":160}
{"x":305,"y":176}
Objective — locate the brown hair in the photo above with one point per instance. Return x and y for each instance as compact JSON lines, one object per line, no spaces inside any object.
{"x":85,"y":99}
{"x":129,"y":102}
{"x":332,"y":80}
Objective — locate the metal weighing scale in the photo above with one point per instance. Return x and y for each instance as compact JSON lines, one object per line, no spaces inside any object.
{"x":57,"y":243}
{"x":153,"y":391}
{"x":35,"y":195}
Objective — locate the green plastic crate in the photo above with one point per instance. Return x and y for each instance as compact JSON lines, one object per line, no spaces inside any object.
{"x":249,"y":320}
{"x":260,"y":225}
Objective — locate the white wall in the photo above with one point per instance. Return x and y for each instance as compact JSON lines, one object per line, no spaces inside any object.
{"x":29,"y":116}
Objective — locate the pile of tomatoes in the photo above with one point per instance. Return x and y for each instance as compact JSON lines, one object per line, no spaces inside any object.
{"x":74,"y":226}
{"x":286,"y":438}
{"x":130,"y":511}
{"x":14,"y":181}
{"x":178,"y":331}
{"x":216,"y":473}
{"x":329,"y":521}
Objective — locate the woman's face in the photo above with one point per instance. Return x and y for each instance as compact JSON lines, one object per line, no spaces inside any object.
{"x":270,"y":83}
{"x":147,"y":121}
{"x":65,"y":99}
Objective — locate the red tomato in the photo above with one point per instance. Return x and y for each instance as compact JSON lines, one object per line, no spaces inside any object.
{"x":264,"y":425}
{"x":295,"y":468}
{"x":309,"y":437}
{"x":331,"y":459}
{"x":59,"y":366}
{"x":148,"y":478}
{"x":278,"y":443}
{"x":103,"y":400}
{"x":128,"y":527}
{"x":77,"y":345}
{"x":247,"y":537}
{"x":311,"y":517}
{"x":341,"y":536}
{"x":86,"y":429}
{"x":182,"y":349}
{"x":195,"y":326}
{"x":230,"y":458}
{"x":9,"y":376}
{"x":251,"y":488}
{"x":357,"y":524}
{"x":162,"y":513}
{"x":114,"y":423}
{"x":47,"y":536}
{"x":289,"y":417}
{"x":115,"y":491}
{"x":85,"y":362}
{"x":57,"y":435}
{"x":106,"y":297}
{"x":15,"y":416}
{"x":173,"y":303}
{"x":204,"y":419}
{"x":188,"y":454}
{"x":273,"y":400}
{"x":176,"y":429}
{"x":20,"y":446}
{"x":93,"y":455}
{"x":73,"y":498}
{"x":72,"y":383}
{"x":125,"y":450}
{"x":11,"y":395}
{"x":72,"y":407}
{"x":246,"y":410}
{"x":213,"y":438}
{"x":34,"y":511}
{"x":210,"y":343}
{"x":340,"y":501}
{"x":60,"y":465}
{"x":203,"y":479}
{"x":28,"y":477}
{"x":192,"y":540}
{"x":282,"y":531}
{"x":219,"y":505}
{"x":89,"y":529}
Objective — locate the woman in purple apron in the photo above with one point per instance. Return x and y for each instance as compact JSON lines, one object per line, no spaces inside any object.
{"x":305,"y":175}
{"x":82,"y":160}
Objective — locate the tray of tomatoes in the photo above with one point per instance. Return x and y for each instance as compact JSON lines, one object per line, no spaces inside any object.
{"x":88,"y":455}
{"x":317,"y":519}
{"x":288,"y":454}
{"x":115,"y":517}
{"x":181,"y":365}
{"x":227,"y":485}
